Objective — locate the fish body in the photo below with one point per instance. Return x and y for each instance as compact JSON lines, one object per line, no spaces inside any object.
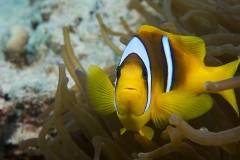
{"x":159,"y":74}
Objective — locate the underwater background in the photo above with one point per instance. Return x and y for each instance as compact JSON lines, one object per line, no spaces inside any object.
{"x":43,"y":116}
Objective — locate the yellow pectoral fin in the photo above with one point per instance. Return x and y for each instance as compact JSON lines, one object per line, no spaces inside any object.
{"x":185,"y":104}
{"x":100,"y":90}
{"x":147,"y":132}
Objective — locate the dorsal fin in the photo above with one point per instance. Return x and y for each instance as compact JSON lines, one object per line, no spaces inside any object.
{"x":189,"y":44}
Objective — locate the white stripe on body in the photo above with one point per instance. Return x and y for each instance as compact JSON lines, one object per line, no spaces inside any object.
{"x":168,"y":55}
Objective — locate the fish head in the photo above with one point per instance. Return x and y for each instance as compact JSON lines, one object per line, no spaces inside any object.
{"x":131,"y":87}
{"x":132,"y":95}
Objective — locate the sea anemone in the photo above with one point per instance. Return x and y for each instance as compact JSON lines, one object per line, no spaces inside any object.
{"x":83,"y":134}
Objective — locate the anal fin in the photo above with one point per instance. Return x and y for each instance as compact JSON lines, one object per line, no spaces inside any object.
{"x":122,"y":130}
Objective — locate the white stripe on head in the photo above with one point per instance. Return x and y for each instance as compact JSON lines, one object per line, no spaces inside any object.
{"x":137,"y":47}
{"x":168,"y":55}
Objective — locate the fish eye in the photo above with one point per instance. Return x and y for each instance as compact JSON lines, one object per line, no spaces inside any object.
{"x":144,"y":73}
{"x":118,"y":73}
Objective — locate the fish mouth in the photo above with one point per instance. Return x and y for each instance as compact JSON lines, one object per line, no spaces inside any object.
{"x":129,"y":88}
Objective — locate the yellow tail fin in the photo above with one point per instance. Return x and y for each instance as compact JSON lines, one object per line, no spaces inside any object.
{"x":225,"y":72}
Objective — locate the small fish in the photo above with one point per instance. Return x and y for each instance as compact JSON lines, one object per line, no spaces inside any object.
{"x":159,"y":74}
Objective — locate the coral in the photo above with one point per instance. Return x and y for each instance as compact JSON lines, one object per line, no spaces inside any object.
{"x":15,"y":50}
{"x":83,"y":133}
{"x":18,"y":40}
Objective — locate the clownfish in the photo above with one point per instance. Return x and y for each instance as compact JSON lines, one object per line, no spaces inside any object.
{"x":159,"y":74}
